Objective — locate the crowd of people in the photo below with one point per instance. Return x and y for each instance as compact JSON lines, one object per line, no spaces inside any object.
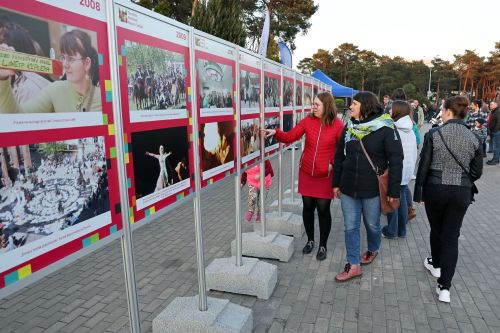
{"x":369,"y":162}
{"x":271,"y":92}
{"x":57,"y":191}
{"x":216,"y":99}
{"x":158,"y":91}
{"x":249,"y":91}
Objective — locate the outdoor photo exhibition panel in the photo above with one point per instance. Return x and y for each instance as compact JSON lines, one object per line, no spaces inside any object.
{"x":272,"y":94}
{"x":215,"y":79}
{"x":299,"y":89}
{"x":308,"y":93}
{"x":315,"y":89}
{"x":58,"y":168}
{"x":154,"y":73}
{"x":249,"y":85}
{"x":288,"y":100}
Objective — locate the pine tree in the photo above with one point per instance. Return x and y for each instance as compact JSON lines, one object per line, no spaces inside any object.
{"x":220,"y":18}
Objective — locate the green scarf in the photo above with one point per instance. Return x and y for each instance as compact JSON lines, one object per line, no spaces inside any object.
{"x":359,"y":131}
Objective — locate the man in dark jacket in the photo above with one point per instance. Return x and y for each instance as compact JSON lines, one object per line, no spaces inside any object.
{"x":494,"y":127}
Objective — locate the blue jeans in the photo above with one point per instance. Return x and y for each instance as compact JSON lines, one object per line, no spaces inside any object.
{"x":408,"y":197}
{"x":352,"y":208}
{"x":396,"y":221}
{"x":496,"y":146}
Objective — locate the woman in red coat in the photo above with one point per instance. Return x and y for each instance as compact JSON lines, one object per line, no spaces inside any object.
{"x":322,"y":129}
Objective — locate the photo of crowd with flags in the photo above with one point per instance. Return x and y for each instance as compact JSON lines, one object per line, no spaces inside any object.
{"x":287,"y":93}
{"x":156,"y":78}
{"x":249,"y":89}
{"x":271,"y":92}
{"x":48,"y":187}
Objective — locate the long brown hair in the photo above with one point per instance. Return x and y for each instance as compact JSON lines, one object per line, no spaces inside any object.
{"x":400,"y":109}
{"x":329,"y":108}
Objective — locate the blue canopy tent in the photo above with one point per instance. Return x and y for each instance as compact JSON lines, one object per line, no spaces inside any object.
{"x":338,"y":90}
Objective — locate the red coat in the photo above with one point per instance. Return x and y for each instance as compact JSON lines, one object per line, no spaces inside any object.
{"x":320,"y":145}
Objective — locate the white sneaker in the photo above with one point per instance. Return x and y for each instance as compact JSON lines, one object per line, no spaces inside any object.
{"x":443,"y":294}
{"x":436,"y":272}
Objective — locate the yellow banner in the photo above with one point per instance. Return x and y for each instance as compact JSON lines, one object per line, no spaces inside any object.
{"x":26,"y":62}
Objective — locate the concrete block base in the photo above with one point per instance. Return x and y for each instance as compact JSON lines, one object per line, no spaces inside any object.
{"x":272,"y":246}
{"x":183,"y":315}
{"x":287,"y":224}
{"x":288,"y":206}
{"x":253,"y":277}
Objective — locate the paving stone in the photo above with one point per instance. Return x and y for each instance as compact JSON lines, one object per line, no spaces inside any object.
{"x":395,"y":293}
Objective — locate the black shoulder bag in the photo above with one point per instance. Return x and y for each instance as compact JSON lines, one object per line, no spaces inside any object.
{"x":473,"y":189}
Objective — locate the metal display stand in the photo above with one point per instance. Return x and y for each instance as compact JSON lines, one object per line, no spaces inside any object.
{"x":126,"y":239}
{"x":248,"y":276}
{"x":211,"y":314}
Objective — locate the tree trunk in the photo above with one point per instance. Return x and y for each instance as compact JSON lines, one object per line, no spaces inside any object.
{"x":195,"y":3}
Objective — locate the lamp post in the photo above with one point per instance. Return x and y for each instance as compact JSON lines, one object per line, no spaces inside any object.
{"x":429,"y":92}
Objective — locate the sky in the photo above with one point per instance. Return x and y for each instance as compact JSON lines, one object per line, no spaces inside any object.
{"x":413,"y":30}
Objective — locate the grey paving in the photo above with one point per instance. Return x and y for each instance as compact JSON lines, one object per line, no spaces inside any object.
{"x":395,"y":293}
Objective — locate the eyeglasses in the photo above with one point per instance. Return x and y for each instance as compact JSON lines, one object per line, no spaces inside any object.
{"x":68,"y":59}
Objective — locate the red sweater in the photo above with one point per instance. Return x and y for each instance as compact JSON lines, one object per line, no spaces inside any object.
{"x":321,"y":142}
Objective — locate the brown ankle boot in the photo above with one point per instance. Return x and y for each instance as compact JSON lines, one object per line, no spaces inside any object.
{"x":412,"y":213}
{"x":350,"y":271}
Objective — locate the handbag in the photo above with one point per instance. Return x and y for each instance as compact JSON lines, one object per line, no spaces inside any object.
{"x":383,"y":184}
{"x":473,"y":189}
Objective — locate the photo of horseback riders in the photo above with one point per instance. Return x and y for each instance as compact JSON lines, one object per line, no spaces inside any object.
{"x":156,"y":78}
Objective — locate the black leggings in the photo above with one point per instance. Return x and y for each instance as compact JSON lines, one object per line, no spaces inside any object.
{"x":445,"y":206}
{"x":325,"y":218}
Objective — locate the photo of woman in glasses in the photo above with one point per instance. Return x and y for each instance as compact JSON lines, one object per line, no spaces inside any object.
{"x":77,"y":90}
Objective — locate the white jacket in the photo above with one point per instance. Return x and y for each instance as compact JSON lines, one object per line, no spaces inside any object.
{"x":409,"y":142}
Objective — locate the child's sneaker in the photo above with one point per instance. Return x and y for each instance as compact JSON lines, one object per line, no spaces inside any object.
{"x":249,"y":216}
{"x":257,"y":219}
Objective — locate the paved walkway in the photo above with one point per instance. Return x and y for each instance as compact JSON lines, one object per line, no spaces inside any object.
{"x":395,"y":293}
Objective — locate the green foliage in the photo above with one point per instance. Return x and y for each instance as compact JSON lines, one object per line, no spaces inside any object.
{"x":339,"y":103}
{"x":179,"y":10}
{"x":221,"y":18}
{"x":288,"y":19}
{"x":51,"y":148}
{"x":138,"y":54}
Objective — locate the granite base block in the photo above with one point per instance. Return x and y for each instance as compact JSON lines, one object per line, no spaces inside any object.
{"x":287,"y":224}
{"x":272,"y":246}
{"x":183,"y":316}
{"x":254,"y":277}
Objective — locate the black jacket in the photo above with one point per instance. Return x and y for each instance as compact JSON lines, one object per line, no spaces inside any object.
{"x":352,"y":172}
{"x":494,"y":125}
{"x":437,"y":166}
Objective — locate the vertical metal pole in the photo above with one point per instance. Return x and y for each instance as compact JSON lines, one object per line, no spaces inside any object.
{"x":202,"y":289}
{"x":280,"y":153}
{"x":303,"y":116}
{"x":262,"y":151}
{"x":294,"y":144}
{"x":126,"y":239}
{"x":237,"y":175}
